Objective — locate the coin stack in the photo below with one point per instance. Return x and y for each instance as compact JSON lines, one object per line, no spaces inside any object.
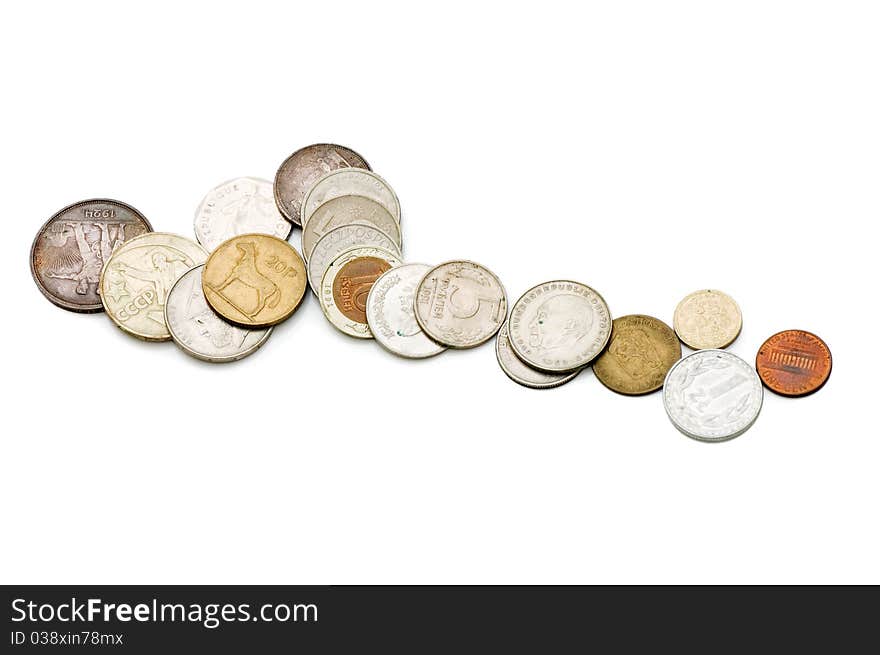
{"x":219,"y":297}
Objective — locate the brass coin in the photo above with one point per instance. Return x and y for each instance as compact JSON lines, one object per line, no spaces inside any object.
{"x":254,"y":280}
{"x":707,"y":319}
{"x":641,"y":352}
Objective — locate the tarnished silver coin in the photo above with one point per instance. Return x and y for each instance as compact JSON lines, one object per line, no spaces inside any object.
{"x":460,"y":304}
{"x":197,"y":329}
{"x":523,"y":374}
{"x":340,"y":239}
{"x":244,"y":205}
{"x":391,"y":314}
{"x":346,"y":286}
{"x":712,"y":395}
{"x":349,"y":182}
{"x":348,"y":210}
{"x":559,"y":326}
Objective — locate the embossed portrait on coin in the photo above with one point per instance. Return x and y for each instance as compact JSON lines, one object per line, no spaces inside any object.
{"x":560,"y":322}
{"x":635,"y":352}
{"x":167,"y":266}
{"x":210,"y":327}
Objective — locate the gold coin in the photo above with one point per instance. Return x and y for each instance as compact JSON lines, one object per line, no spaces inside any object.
{"x":137,"y":278}
{"x":707,"y":319}
{"x":641,"y":352}
{"x":254,"y":280}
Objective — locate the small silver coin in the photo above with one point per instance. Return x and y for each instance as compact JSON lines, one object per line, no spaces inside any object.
{"x":348,"y":210}
{"x":199,"y":331}
{"x":244,"y":205}
{"x":524,"y":374}
{"x":460,"y":304}
{"x":712,"y":395}
{"x":559,"y":326}
{"x":350,"y":182}
{"x":340,"y":239}
{"x":391,"y":314}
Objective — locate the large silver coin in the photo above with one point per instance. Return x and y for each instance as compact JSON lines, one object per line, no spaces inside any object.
{"x":349,"y":182}
{"x":348,"y":210}
{"x":559,"y":326}
{"x":346,"y":286}
{"x":460,"y":304}
{"x":340,"y":239}
{"x":523,"y":374}
{"x":712,"y":395}
{"x":391,"y":316}
{"x":244,"y":205}
{"x":199,"y":331}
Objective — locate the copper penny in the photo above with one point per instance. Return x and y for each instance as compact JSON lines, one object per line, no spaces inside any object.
{"x":353,"y":283}
{"x":72,"y":247}
{"x":302,"y":169}
{"x":794,"y":363}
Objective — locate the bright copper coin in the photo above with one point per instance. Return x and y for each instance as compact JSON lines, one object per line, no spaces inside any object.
{"x":302,"y":169}
{"x":72,"y":247}
{"x":794,"y":363}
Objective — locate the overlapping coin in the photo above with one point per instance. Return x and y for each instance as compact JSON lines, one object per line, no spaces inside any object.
{"x":712,"y":395}
{"x":460,"y":304}
{"x":348,"y":210}
{"x":72,"y":247}
{"x":138,"y":277}
{"x":340,"y":239}
{"x":707,"y":319}
{"x":391,"y":313}
{"x":559,"y":326}
{"x":199,"y":331}
{"x":305,"y":167}
{"x":350,"y":182}
{"x":254,"y":280}
{"x":794,"y":363}
{"x":346,"y":286}
{"x":245,"y":205}
{"x":522,"y":373}
{"x":641,"y":352}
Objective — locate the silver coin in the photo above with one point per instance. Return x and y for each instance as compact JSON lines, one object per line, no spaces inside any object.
{"x":245,"y":205}
{"x":712,"y":395}
{"x":523,"y":374}
{"x":346,"y":285}
{"x":348,"y":210}
{"x":197,"y":329}
{"x":559,"y":326}
{"x":460,"y":304}
{"x":340,"y":239}
{"x":391,"y":316}
{"x":350,"y":182}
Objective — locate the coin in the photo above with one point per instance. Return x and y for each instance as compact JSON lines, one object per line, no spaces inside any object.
{"x":244,"y":205}
{"x":707,"y":319}
{"x":559,"y":326}
{"x":391,"y":316}
{"x":348,"y":210}
{"x":139,"y":275}
{"x":70,"y":249}
{"x":340,"y":239}
{"x":254,"y":280}
{"x":305,"y":167}
{"x":794,"y":363}
{"x":523,"y":374}
{"x":460,"y":304}
{"x":346,"y":285}
{"x":641,"y":352}
{"x":197,"y":329}
{"x":350,"y":182}
{"x":712,"y":395}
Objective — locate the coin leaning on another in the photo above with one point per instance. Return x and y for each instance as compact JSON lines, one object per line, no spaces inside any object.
{"x":640,"y":353}
{"x":522,"y":373}
{"x":350,"y":182}
{"x":348,"y":210}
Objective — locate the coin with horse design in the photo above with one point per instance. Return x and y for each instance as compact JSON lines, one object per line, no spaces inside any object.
{"x":254,"y":280}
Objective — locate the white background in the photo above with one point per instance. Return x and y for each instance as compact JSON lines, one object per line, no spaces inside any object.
{"x":647,"y":149}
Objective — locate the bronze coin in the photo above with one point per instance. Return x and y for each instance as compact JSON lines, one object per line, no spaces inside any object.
{"x":71,"y":248}
{"x":793,"y":363}
{"x":302,"y":169}
{"x":353,"y":283}
{"x":640,"y":353}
